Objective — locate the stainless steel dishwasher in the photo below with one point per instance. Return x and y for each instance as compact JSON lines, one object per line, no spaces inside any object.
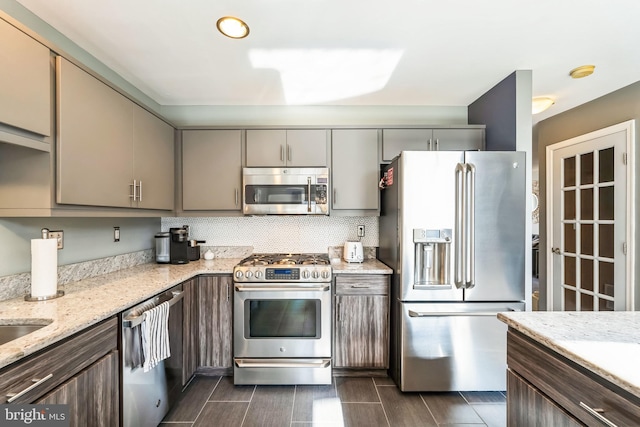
{"x":147,"y":396}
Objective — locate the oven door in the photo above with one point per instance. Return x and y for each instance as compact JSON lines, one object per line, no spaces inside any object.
{"x":282,"y":320}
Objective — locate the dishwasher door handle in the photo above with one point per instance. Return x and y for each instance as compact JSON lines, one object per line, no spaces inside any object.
{"x":133,"y":321}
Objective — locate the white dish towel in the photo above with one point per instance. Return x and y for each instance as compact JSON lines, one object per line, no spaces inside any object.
{"x":155,"y":336}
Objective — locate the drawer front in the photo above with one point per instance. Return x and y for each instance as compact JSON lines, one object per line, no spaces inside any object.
{"x":362,"y":284}
{"x":569,"y":385}
{"x":54,"y":365}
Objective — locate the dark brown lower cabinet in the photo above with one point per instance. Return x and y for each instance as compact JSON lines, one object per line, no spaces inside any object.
{"x":546,"y":389}
{"x":92,"y":395}
{"x":190,"y":331}
{"x":526,"y":406}
{"x":361,"y":322}
{"x":215,"y":325}
{"x":81,"y":371}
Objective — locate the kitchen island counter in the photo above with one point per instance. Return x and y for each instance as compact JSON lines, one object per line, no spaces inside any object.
{"x":605,"y":343}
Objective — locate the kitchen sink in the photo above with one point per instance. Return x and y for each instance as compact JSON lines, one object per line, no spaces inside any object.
{"x":10,"y":332}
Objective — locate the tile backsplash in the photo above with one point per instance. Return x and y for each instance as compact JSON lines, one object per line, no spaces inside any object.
{"x":278,"y":233}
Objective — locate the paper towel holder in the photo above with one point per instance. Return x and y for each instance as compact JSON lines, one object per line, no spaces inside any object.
{"x":58,"y":294}
{"x":44,"y":298}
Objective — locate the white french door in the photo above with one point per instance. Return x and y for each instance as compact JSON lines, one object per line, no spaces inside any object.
{"x":588,"y":221}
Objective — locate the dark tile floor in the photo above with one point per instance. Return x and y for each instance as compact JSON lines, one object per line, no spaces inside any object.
{"x":369,"y":402}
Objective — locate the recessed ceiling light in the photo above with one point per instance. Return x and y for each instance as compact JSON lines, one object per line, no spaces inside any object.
{"x":233,"y":27}
{"x":582,"y":71}
{"x":541,"y":103}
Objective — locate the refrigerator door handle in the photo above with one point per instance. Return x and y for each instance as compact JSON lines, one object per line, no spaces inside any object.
{"x":491,"y":312}
{"x":459,"y":231}
{"x":470,"y":273}
{"x":413,"y":313}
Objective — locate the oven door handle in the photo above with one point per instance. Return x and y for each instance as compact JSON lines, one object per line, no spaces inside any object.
{"x":282,"y":363}
{"x":305,"y":288}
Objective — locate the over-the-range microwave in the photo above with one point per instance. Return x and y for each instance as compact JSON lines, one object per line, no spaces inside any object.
{"x":285,"y":191}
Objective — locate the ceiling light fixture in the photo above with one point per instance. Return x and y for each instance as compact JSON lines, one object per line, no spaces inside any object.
{"x":541,"y":103}
{"x":582,"y":71}
{"x":233,"y":27}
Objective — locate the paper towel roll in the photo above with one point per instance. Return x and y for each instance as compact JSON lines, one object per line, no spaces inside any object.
{"x":44,"y":267}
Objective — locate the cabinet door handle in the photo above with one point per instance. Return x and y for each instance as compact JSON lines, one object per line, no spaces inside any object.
{"x":429,"y":144}
{"x":282,"y":153}
{"x":437,"y":148}
{"x":134,"y":196}
{"x":36,"y":383}
{"x":236,"y":197}
{"x":596,"y":413}
{"x":361,"y":286}
{"x":140,"y":192}
{"x":308,"y":194}
{"x":288,"y":153}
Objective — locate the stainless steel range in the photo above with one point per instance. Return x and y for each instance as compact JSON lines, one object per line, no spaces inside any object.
{"x":282,"y":319}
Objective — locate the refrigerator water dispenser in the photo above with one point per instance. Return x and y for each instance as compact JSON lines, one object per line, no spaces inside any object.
{"x":432,"y":258}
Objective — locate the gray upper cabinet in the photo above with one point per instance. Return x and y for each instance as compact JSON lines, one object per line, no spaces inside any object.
{"x":153,"y":160}
{"x":458,"y":139}
{"x":396,"y":140}
{"x":110,"y":152}
{"x":25,"y":85}
{"x":211,"y":170}
{"x":95,"y":138}
{"x":287,"y":147}
{"x":355,"y":169}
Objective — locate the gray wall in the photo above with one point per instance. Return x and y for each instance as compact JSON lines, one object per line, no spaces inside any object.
{"x":315,"y":115}
{"x":84,"y":239}
{"x":611,"y":109}
{"x":506,"y":111}
{"x":497,"y":110}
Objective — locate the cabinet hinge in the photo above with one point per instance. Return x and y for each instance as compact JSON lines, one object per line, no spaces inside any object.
{"x":624,"y":158}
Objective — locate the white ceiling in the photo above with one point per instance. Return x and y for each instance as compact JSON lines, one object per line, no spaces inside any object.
{"x":355,"y":52}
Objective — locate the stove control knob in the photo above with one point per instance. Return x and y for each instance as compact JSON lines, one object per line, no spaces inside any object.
{"x":258,"y":274}
{"x":305,"y":274}
{"x":325,"y":274}
{"x":315,"y":274}
{"x":238,"y":274}
{"x":249,"y":274}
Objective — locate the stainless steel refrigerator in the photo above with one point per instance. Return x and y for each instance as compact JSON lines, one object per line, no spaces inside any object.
{"x":452,"y":227}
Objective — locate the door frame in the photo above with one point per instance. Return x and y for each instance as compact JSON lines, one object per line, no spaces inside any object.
{"x":629,"y":127}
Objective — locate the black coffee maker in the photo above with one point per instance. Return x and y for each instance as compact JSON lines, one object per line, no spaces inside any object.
{"x":179,"y":245}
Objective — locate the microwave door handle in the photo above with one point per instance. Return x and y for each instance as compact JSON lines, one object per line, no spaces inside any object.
{"x":308,"y":194}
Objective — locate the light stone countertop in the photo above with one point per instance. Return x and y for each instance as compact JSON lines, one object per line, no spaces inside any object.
{"x":369,"y":266}
{"x":92,"y":300}
{"x":606,"y":343}
{"x":89,"y":301}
